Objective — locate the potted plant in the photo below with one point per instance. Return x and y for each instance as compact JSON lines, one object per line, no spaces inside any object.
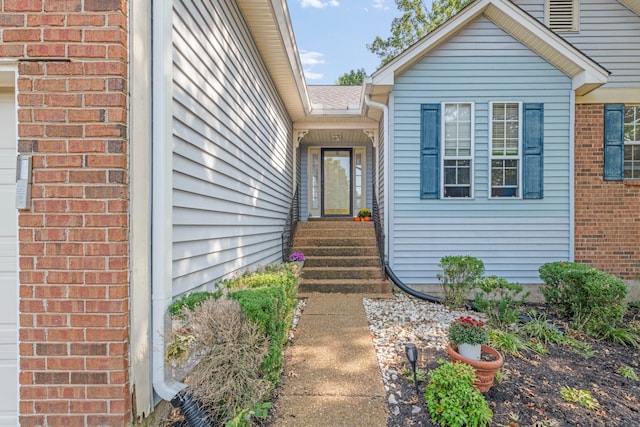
{"x":298,"y":258}
{"x":364,"y":214}
{"x":467,"y":343}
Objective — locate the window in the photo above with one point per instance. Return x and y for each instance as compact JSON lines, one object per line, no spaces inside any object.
{"x":632,"y":142}
{"x":505,"y":149}
{"x":457,"y":150}
{"x":562,"y":15}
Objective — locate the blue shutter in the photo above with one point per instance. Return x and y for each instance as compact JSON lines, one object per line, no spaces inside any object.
{"x":430,"y":151}
{"x":532,"y":151}
{"x":613,"y":142}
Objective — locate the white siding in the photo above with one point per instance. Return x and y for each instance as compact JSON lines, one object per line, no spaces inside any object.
{"x":512,"y":237}
{"x":609,"y":33}
{"x":232,"y":161}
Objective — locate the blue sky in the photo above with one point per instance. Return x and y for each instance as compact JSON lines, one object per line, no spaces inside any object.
{"x":332,"y":35}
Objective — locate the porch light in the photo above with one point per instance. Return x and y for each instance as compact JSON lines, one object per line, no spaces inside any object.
{"x":411,"y":351}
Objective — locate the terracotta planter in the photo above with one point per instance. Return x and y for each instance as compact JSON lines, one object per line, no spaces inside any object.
{"x":367,"y":218}
{"x":485,"y":371}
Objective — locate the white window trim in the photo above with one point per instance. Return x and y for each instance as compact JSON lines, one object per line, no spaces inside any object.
{"x":471,"y":157}
{"x":492,"y":157}
{"x":630,"y":143}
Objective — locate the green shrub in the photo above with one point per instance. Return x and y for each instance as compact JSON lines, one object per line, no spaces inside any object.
{"x":265,"y":307}
{"x":500,"y":299}
{"x":592,"y":299}
{"x":451,"y":398}
{"x":459,"y":276}
{"x":190,"y":301}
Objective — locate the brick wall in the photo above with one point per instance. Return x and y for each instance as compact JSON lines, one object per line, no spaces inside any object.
{"x":607,"y":212}
{"x":73,"y":251}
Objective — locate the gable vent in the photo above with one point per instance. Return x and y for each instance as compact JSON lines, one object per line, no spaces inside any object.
{"x":562,"y":15}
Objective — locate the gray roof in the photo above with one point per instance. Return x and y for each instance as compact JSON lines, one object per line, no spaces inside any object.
{"x":335,"y":97}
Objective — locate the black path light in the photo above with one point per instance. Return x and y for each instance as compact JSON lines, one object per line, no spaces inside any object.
{"x":411,"y":351}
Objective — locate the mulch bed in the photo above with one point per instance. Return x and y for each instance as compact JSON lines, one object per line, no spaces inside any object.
{"x":530,"y":392}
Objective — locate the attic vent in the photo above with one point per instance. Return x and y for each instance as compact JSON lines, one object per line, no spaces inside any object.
{"x":562,"y":15}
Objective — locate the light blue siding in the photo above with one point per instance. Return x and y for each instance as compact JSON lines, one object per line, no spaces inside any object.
{"x":232,"y":155}
{"x":609,"y":33}
{"x":512,"y":237}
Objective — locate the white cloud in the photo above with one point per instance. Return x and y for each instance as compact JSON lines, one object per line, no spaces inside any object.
{"x":312,"y":76}
{"x":311,"y":58}
{"x":379,"y":4}
{"x":319,"y":4}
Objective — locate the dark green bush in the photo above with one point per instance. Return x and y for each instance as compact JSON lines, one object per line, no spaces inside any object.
{"x":592,"y":299}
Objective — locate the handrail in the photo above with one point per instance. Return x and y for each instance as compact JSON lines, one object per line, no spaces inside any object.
{"x":378,"y":227}
{"x":290,"y":226}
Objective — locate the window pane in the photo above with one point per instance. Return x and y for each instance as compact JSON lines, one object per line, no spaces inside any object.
{"x":632,"y":142}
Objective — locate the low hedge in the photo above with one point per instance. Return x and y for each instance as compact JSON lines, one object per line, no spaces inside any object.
{"x":268,"y":300}
{"x":594,"y":300}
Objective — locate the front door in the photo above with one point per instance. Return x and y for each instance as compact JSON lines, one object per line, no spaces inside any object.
{"x":336,"y":182}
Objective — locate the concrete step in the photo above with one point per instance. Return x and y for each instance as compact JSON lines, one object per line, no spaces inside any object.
{"x":344,"y":273}
{"x":336,"y":251}
{"x":334,"y":241}
{"x":335,"y":224}
{"x":345,"y":286}
{"x":343,"y":261}
{"x":309,"y":233}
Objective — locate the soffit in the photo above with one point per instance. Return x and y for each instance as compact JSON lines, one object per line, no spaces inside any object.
{"x":337,"y":137}
{"x":587,"y":74}
{"x":270,"y":26}
{"x":634,"y":5}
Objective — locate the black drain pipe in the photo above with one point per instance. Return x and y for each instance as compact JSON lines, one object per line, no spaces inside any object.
{"x":405,"y":288}
{"x":189,"y":409}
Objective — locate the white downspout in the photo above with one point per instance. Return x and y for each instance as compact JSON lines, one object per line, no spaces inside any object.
{"x":161,"y":217}
{"x":385,"y":167}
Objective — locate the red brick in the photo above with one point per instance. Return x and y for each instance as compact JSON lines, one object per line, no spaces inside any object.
{"x":50,"y":176}
{"x":27,"y":131}
{"x":47,"y":349}
{"x":22,"y":5}
{"x":89,"y":349}
{"x":86,"y":20}
{"x":45,"y":19}
{"x":64,"y":249}
{"x":108,"y":306}
{"x":87,"y":115}
{"x":65,"y":69}
{"x":51,"y":320}
{"x":46,"y":50}
{"x":88,"y":51}
{"x":62,"y":35}
{"x":106,"y":249}
{"x":65,"y":306}
{"x":12,"y":20}
{"x":64,"y":130}
{"x":65,"y":334}
{"x":63,"y":161}
{"x":87,"y":176}
{"x":65,"y":277}
{"x":87,"y":205}
{"x":89,"y":407}
{"x":88,"y":292}
{"x":63,"y":100}
{"x":107,"y":220}
{"x":67,"y":392}
{"x":21,"y":35}
{"x":33,"y":392}
{"x":48,"y":291}
{"x":86,"y":84}
{"x":11,"y":50}
{"x":105,"y":130}
{"x":32,"y":364}
{"x":86,"y":146}
{"x":102,"y":5}
{"x":87,"y":235}
{"x":64,"y":191}
{"x":50,"y":115}
{"x":31,"y":306}
{"x":87,"y":263}
{"x":106,"y":277}
{"x":50,"y":235}
{"x":63,"y":6}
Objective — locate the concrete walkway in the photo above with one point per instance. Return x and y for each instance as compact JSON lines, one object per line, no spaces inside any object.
{"x":331,"y":375}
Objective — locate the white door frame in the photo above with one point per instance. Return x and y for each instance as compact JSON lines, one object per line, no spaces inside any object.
{"x":10,"y":389}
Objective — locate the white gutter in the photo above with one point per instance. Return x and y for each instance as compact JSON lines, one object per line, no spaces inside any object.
{"x":385,"y":167}
{"x":161,"y":217}
{"x":572,"y":171}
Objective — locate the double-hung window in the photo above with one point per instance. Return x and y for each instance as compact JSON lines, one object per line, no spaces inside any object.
{"x":632,"y":142}
{"x":457,"y":158}
{"x":506,"y":148}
